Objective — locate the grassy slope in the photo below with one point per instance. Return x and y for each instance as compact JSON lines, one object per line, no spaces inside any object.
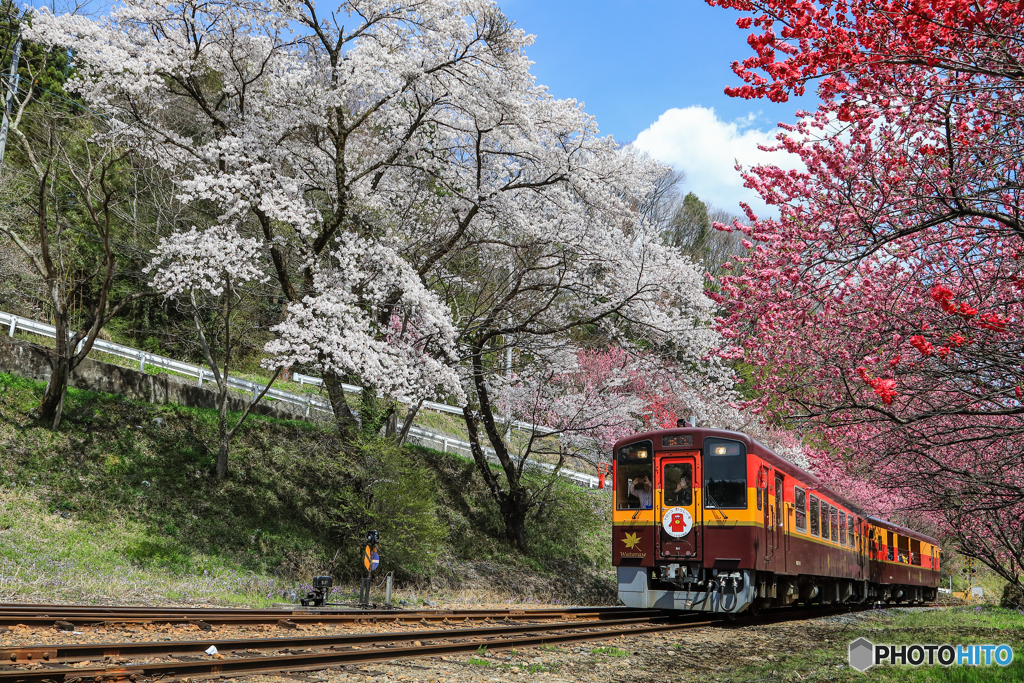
{"x":117,"y":505}
{"x":985,"y":624}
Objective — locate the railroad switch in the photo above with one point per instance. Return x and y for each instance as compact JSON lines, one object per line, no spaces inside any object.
{"x":318,"y":596}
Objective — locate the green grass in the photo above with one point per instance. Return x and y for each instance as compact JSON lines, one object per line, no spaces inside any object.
{"x":610,"y":652}
{"x":955,"y":626}
{"x":476,"y":661}
{"x":539,"y":668}
{"x":113,"y":504}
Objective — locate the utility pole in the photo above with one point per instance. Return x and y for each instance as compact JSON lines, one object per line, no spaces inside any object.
{"x":12,"y":87}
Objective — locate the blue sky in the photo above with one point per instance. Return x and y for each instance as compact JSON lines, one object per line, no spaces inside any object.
{"x":653,"y":71}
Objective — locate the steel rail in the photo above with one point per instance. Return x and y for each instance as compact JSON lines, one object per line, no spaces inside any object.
{"x":236,"y":619}
{"x":468,"y":641}
{"x":127,"y":650}
{"x":30,"y":608}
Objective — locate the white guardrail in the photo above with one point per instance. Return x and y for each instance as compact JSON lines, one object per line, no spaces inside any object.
{"x":309,"y":402}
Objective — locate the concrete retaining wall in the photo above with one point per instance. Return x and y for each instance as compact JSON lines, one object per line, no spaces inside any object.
{"x":35,"y":362}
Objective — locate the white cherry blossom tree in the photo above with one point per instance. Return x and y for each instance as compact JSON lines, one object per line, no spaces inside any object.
{"x":207,"y":274}
{"x":421,"y":202}
{"x":303,"y":124}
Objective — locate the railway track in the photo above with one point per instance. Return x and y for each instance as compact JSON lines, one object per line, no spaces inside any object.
{"x":166,"y":661}
{"x":188,"y":659}
{"x":80,"y":616}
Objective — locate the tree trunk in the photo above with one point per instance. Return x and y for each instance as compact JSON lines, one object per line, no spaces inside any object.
{"x":224,"y":438}
{"x":52,"y":405}
{"x":514,"y":504}
{"x":514,"y":508}
{"x":391,"y":424}
{"x":407,"y":424}
{"x":343,"y":417}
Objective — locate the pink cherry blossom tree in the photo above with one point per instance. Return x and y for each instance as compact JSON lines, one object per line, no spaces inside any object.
{"x":883,"y":306}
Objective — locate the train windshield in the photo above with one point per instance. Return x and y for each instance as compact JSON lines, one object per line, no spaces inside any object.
{"x":725,"y":474}
{"x":678,"y":478}
{"x":634,"y":484}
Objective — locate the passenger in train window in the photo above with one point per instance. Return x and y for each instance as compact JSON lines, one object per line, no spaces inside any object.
{"x":678,"y":480}
{"x":642,"y":488}
{"x":629,"y":477}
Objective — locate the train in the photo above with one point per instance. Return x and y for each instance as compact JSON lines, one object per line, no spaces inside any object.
{"x":711,"y":520}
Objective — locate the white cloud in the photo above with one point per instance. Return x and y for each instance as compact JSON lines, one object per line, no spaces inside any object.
{"x":696,"y":141}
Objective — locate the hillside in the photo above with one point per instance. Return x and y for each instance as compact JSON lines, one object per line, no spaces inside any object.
{"x":122,"y":504}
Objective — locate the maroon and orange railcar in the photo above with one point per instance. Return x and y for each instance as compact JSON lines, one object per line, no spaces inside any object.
{"x":711,"y":520}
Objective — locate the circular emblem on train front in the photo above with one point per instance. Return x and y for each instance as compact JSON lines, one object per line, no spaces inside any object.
{"x":677,"y":522}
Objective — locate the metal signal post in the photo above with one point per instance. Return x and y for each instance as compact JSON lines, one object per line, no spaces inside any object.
{"x":371,"y":560}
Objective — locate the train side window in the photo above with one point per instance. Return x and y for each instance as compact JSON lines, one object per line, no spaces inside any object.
{"x":890,"y":553}
{"x":850,"y":528}
{"x":800,"y":504}
{"x":780,"y":499}
{"x":915,"y":552}
{"x":824,"y":520}
{"x":814,"y":516}
{"x":834,"y":517}
{"x":842,"y":528}
{"x":903,"y":548}
{"x":678,"y":482}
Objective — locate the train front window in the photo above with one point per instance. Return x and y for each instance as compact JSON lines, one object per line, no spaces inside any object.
{"x":800,"y":503}
{"x":678,"y":478}
{"x":814,"y":516}
{"x":725,"y":474}
{"x":634,"y":484}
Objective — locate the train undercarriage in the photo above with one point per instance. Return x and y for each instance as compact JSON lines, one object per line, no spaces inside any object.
{"x":731,"y":591}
